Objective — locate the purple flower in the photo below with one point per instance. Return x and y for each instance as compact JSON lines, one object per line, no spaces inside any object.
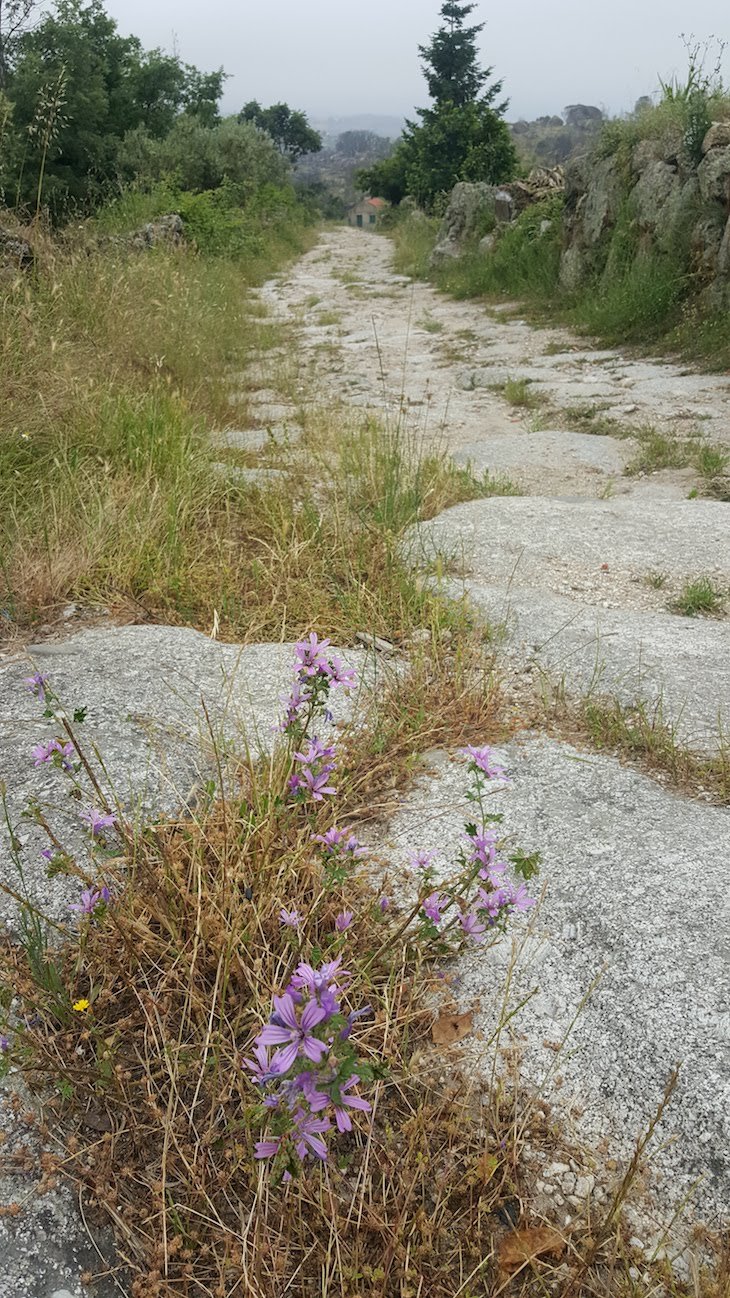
{"x":493,"y":902}
{"x":316,"y":752}
{"x":472,"y":926}
{"x":37,"y":685}
{"x":341,"y":675}
{"x":310,"y":660}
{"x":433,"y":906}
{"x":316,"y":785}
{"x":90,"y":899}
{"x":521,"y":899}
{"x":295,"y":702}
{"x":48,"y":853}
{"x":483,"y":846}
{"x":267,"y":1148}
{"x":292,"y":1034}
{"x":98,"y":822}
{"x":4,"y":1045}
{"x":484,"y":761}
{"x":315,"y":981}
{"x":342,"y":1117}
{"x":43,"y":753}
{"x":384,"y":904}
{"x":344,"y":920}
{"x":421,"y":860}
{"x":335,"y":840}
{"x":289,"y":918}
{"x":306,"y":1133}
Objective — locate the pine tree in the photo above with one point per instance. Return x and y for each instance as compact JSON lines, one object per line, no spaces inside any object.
{"x":451,"y":61}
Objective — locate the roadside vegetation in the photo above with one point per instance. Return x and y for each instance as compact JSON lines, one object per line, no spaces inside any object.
{"x":631,"y":295}
{"x":250,"y":1013}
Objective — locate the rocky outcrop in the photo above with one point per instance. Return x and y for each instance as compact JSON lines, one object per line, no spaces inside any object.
{"x":168,"y":230}
{"x":471,"y":209}
{"x":474,"y":207}
{"x":15,"y":252}
{"x":666,"y":202}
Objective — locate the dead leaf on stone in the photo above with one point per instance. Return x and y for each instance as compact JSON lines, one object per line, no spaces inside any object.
{"x":450,"y":1028}
{"x":521,"y":1246}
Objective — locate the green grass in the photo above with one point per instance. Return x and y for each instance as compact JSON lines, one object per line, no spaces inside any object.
{"x":517,"y":393}
{"x":700,"y":597}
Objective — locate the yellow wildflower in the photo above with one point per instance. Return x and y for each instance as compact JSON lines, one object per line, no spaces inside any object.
{"x":82,"y":1005}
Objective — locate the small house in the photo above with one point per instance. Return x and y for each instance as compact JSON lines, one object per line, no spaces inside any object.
{"x":366,"y":213}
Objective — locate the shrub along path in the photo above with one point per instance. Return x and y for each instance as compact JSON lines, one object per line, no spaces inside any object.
{"x":580,"y":575}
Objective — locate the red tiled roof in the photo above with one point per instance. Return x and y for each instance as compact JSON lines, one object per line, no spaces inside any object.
{"x":376,"y":202}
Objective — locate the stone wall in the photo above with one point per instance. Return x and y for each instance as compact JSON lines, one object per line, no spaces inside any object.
{"x":661,"y":200}
{"x":669,"y":204}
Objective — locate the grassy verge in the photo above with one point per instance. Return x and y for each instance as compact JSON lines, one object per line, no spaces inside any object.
{"x":648,"y":300}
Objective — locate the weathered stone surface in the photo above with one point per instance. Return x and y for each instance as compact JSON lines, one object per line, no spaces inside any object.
{"x":657,"y":186}
{"x":163,"y":230}
{"x":713,"y":174}
{"x":545,"y":450}
{"x":637,"y":884}
{"x":718,"y":137}
{"x":469,"y":205}
{"x":564,"y":579}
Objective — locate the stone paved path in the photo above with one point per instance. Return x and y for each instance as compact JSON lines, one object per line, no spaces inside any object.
{"x":584,"y":571}
{"x":580,"y":571}
{"x":636,"y":878}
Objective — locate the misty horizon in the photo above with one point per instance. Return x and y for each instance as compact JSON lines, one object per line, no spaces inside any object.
{"x":336,"y":62}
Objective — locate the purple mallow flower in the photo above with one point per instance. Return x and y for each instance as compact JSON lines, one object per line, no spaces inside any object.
{"x":335,"y":841}
{"x":344,"y":920}
{"x":37,"y":685}
{"x":485,"y":762}
{"x":292,"y":1034}
{"x":346,"y":1101}
{"x":384,"y":904}
{"x":90,"y":899}
{"x":433,"y":906}
{"x":289,"y":918}
{"x":421,"y":860}
{"x":472,"y":926}
{"x":306,"y":1134}
{"x":98,"y":821}
{"x":43,"y":753}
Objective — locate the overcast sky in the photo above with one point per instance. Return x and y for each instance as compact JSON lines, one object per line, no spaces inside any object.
{"x":343,"y":57}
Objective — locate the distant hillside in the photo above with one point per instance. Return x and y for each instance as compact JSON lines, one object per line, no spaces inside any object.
{"x":390,"y":127}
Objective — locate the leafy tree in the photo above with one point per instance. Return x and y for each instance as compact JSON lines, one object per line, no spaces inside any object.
{"x":78,"y":87}
{"x":463,"y":136}
{"x":288,"y":128}
{"x":15,"y":18}
{"x":199,"y":159}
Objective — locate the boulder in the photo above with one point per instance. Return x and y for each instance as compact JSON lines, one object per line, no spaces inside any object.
{"x":487,"y":244}
{"x":723,"y":256}
{"x":15,"y":252}
{"x":706,"y":240}
{"x":658,"y":186}
{"x":714,"y":175}
{"x":163,"y":230}
{"x":469,"y":207}
{"x":718,"y":137}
